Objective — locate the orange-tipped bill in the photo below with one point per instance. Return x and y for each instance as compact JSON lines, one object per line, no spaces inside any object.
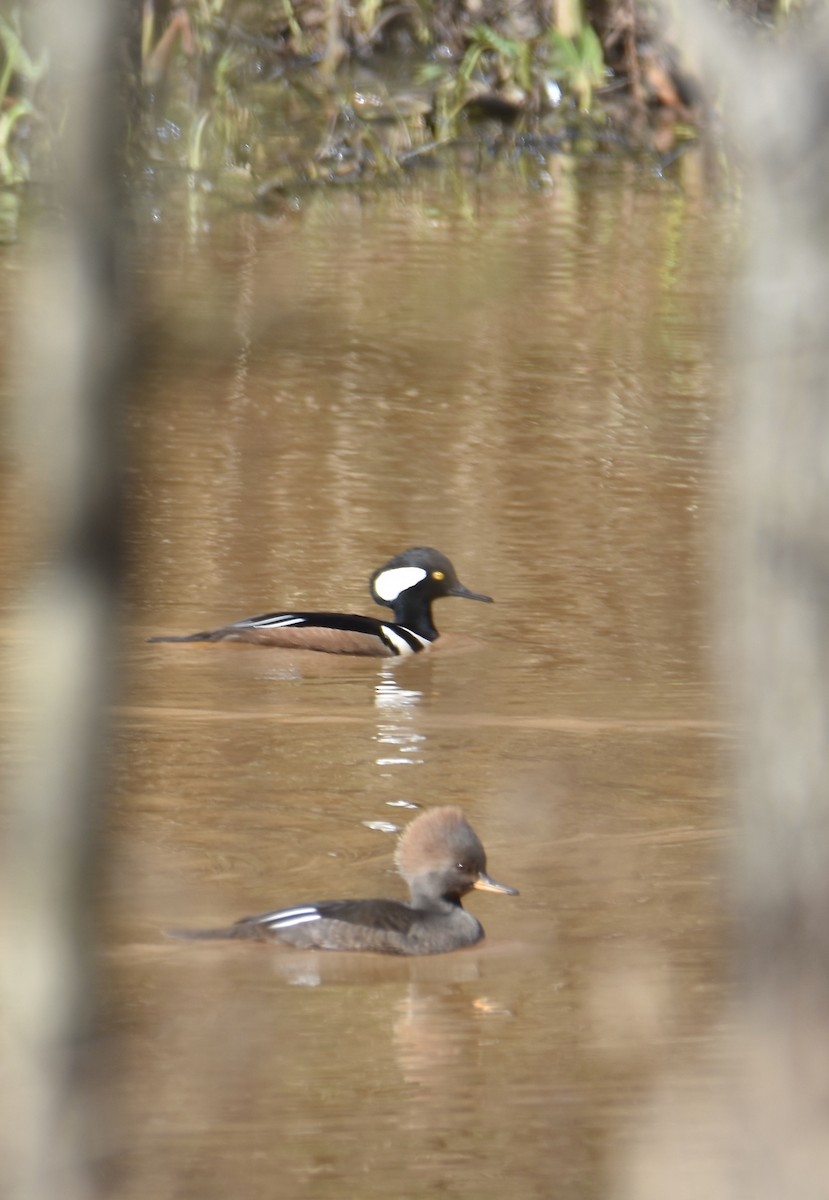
{"x":484,"y":884}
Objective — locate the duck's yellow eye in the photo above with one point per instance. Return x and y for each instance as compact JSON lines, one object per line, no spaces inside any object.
{"x":438,"y":575}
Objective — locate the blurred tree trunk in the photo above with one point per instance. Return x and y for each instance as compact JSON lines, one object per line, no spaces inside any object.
{"x":774,"y":102}
{"x":56,"y":1128}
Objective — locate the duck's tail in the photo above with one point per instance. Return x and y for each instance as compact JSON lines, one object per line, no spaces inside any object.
{"x":240,"y":930}
{"x":206,"y":635}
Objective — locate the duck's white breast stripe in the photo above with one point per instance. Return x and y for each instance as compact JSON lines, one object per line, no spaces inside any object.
{"x":399,"y":643}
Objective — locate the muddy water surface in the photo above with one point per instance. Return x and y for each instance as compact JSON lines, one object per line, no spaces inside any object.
{"x":530,"y":381}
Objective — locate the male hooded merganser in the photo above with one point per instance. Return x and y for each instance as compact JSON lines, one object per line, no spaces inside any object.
{"x":441,"y":858}
{"x":407,"y":584}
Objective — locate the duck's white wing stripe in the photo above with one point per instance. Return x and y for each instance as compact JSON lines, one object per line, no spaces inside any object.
{"x":286,"y":917}
{"x":279,"y":621}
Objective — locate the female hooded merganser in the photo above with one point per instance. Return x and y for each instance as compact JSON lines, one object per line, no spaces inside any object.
{"x":407,"y":584}
{"x":441,"y":858}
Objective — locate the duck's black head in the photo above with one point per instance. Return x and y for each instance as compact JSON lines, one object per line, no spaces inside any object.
{"x":409,"y":582}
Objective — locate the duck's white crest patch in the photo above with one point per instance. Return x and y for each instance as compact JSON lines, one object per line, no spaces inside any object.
{"x":400,"y":644}
{"x":389,"y":584}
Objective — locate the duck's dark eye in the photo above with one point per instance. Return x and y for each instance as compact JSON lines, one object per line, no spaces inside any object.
{"x":461,"y":866}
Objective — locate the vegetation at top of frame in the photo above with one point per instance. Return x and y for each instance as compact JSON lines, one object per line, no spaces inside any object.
{"x":270,"y":98}
{"x":265,"y":96}
{"x":21,"y":73}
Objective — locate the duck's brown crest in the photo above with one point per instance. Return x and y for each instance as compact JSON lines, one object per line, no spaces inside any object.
{"x":428,"y":841}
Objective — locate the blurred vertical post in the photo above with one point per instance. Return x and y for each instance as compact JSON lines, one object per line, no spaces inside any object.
{"x":779,"y":625}
{"x":775,"y":105}
{"x":69,"y":385}
{"x":773,"y":101}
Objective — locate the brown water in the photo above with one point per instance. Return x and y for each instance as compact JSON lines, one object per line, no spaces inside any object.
{"x":531,"y":381}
